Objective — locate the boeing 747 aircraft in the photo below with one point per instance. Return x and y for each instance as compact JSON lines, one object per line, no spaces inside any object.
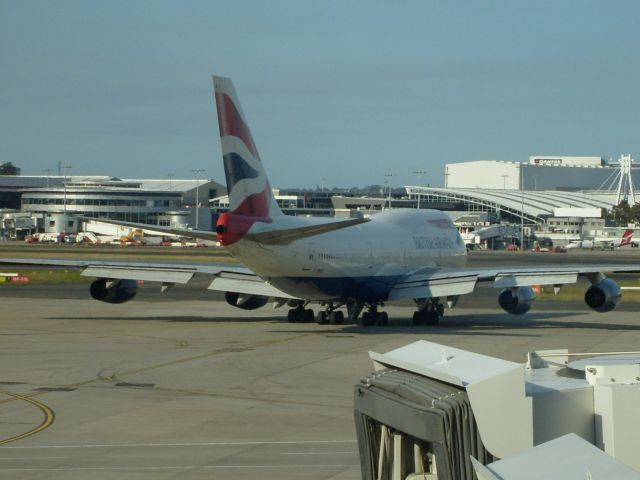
{"x":354,"y":264}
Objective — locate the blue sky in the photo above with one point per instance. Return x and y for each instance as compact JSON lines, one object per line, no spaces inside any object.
{"x":343,"y":90}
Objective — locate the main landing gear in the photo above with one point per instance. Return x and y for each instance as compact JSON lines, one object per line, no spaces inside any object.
{"x":335,"y":317}
{"x":430,"y":311}
{"x":300,"y":314}
{"x":330,"y":314}
{"x":373,"y":317}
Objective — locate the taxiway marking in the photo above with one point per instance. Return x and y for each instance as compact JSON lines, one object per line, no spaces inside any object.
{"x":186,"y":444}
{"x":48,"y":420}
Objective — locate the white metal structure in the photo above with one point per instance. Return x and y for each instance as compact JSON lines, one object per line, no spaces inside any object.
{"x":625,"y":189}
{"x":566,"y":458}
{"x":518,"y":406}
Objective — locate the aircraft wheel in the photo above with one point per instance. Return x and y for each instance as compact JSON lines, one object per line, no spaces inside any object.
{"x":426,"y":318}
{"x":337,"y":317}
{"x":383,"y":318}
{"x":307,"y":315}
{"x":322,"y":317}
{"x":366,"y":319}
{"x":291,"y":315}
{"x":432,"y":318}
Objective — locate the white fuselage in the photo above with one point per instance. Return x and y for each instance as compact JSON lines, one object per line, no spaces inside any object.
{"x":361,"y":261}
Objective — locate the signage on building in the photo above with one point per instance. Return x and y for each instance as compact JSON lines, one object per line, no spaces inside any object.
{"x":566,"y":161}
{"x":547,"y":161}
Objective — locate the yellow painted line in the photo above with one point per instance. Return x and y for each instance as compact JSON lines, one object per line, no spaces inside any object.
{"x":49,"y":417}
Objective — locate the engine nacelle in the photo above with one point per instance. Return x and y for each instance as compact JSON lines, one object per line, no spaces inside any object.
{"x":516,"y":300}
{"x":603,"y":296}
{"x":245,"y":302}
{"x":118,"y":292}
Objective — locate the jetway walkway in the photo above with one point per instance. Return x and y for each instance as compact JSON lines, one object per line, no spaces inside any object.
{"x":409,"y":424}
{"x":434,"y":412}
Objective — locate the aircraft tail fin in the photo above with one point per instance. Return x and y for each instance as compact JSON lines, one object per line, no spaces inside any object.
{"x":247,"y":183}
{"x":626,"y":238}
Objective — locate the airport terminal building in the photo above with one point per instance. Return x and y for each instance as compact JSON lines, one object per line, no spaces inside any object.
{"x":512,"y":192}
{"x":49,"y":199}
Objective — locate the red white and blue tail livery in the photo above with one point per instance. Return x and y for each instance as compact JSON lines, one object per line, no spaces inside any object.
{"x":249,"y":191}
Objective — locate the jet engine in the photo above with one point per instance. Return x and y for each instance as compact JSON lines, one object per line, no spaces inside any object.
{"x":119,"y":291}
{"x":245,"y":302}
{"x":516,"y":300}
{"x":603,"y":296}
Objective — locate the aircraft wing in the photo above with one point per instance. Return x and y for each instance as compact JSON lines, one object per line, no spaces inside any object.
{"x":225,"y":277}
{"x":422,"y":284}
{"x":460,"y":281}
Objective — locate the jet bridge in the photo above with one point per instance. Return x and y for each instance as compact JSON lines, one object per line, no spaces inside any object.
{"x":429,"y":409}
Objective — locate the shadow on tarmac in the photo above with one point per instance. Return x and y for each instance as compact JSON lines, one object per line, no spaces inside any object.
{"x":174,"y":318}
{"x":486,"y":324}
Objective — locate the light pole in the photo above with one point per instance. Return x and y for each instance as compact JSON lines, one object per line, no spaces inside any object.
{"x":197,"y":171}
{"x":419,"y":173}
{"x":48,"y":172}
{"x":504,"y":181}
{"x":64,"y":187}
{"x":386,"y":182}
{"x":389,"y":182}
{"x":170,"y":175}
{"x":522,"y":207}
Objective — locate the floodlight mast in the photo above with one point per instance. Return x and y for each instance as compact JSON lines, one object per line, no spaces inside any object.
{"x":198,"y":171}
{"x":419,"y":173}
{"x":64,"y":188}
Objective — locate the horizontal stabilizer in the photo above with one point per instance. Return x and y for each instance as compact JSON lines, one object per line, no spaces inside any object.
{"x":283,"y":237}
{"x":181,"y":232}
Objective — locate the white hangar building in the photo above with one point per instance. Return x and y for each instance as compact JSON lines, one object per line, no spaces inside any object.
{"x":540,"y":173}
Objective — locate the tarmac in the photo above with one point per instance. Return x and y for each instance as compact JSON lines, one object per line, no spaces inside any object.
{"x":182,"y":385}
